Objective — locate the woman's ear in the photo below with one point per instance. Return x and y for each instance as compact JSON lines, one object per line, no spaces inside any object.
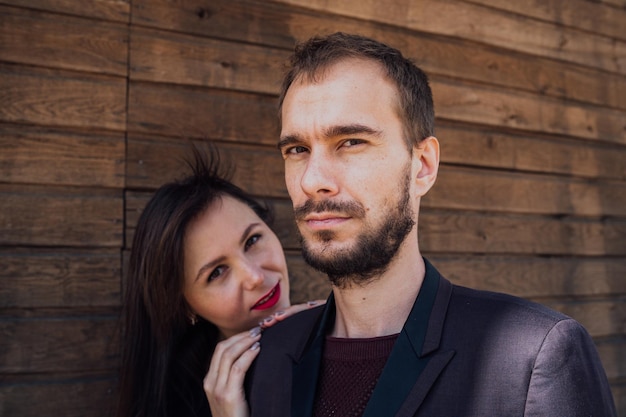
{"x":426,"y":164}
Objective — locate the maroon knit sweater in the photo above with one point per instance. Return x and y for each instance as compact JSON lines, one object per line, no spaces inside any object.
{"x":350,"y":370}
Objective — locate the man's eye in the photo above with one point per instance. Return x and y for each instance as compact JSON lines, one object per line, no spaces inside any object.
{"x":216,"y":273}
{"x":252,"y":240}
{"x":295,"y":150}
{"x":353,"y":142}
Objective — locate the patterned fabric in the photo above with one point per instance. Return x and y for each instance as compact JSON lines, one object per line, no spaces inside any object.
{"x":350,"y":370}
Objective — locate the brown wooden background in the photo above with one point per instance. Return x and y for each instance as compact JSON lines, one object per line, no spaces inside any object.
{"x":96,"y":96}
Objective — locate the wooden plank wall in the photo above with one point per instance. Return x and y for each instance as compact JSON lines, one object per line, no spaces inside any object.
{"x":99,"y":99}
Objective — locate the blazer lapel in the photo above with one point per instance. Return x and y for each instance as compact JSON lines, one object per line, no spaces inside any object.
{"x":307,"y":365}
{"x":411,"y":369}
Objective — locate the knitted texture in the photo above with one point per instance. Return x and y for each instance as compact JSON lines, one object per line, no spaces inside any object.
{"x":350,"y":370}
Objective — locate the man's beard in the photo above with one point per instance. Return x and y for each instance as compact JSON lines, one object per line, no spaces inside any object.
{"x":373,"y":250}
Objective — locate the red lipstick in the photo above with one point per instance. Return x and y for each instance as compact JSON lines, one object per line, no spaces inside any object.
{"x":269,"y":300}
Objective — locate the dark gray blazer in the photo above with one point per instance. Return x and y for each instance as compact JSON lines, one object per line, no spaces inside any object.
{"x":461,"y":353}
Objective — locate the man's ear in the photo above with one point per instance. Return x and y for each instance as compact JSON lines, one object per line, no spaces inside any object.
{"x":425,"y":164}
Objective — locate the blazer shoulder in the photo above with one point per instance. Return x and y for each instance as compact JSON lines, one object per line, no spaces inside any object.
{"x":508,"y":310}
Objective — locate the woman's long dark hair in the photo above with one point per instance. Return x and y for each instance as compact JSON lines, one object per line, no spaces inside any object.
{"x":164,"y":356}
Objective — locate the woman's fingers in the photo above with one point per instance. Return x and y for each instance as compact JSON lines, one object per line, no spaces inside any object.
{"x":289,"y":311}
{"x":223,"y":383}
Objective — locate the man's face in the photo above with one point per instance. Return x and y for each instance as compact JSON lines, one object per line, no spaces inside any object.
{"x":348,"y":169}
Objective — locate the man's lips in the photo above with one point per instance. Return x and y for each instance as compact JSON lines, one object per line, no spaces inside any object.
{"x":323,"y":220}
{"x":269,"y":300}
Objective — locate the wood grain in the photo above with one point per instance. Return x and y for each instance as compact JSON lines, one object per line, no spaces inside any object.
{"x":599,"y":317}
{"x":57,"y":98}
{"x":182,"y":59}
{"x":153,"y":162}
{"x":70,"y":396}
{"x":485,"y":25}
{"x":492,"y":191}
{"x":58,"y":344}
{"x":469,"y":145}
{"x":32,"y":155}
{"x":526,"y":112}
{"x":116,"y":10}
{"x":280,"y":26}
{"x":478,"y":233}
{"x":56,"y":41}
{"x":59,"y":278}
{"x":585,"y":15}
{"x":535,"y":277}
{"x":58,"y":216}
{"x":162,"y":109}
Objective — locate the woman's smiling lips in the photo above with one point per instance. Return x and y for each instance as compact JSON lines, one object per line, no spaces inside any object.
{"x":269,"y":300}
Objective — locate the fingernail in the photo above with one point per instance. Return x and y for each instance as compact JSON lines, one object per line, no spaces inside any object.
{"x":279,"y":313}
{"x":311,"y":303}
{"x":255,"y":332}
{"x":255,"y":346}
{"x":268,"y":319}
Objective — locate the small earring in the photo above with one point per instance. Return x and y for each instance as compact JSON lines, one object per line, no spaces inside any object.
{"x":193,"y":319}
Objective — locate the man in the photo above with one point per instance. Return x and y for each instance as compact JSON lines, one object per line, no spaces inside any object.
{"x":396,"y":338}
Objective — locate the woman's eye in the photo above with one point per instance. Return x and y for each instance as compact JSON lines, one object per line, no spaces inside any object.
{"x":252,"y":240}
{"x":216,"y":273}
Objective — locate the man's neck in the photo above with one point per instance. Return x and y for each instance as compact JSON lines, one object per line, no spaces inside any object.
{"x":380,"y":307}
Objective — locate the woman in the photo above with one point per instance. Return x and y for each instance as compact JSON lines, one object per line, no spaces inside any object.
{"x":204,"y":270}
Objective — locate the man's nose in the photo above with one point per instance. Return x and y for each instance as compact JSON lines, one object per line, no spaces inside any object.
{"x":318,"y":178}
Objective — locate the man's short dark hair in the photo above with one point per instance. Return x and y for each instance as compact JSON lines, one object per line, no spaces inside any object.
{"x":313,"y":56}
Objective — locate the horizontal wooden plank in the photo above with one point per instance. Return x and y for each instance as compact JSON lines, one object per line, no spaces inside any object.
{"x":59,"y":98}
{"x":580,"y":14}
{"x":77,"y":396}
{"x":619,"y":396}
{"x":493,"y":191}
{"x":468,"y":232}
{"x":63,"y":41}
{"x":470,"y":146}
{"x":153,"y":162}
{"x":281,"y":26}
{"x":35,"y":278}
{"x":535,"y":277}
{"x":528,"y":112}
{"x":181,"y":59}
{"x":306,"y":283}
{"x":57,"y":216}
{"x":600,"y":318}
{"x":202,"y":113}
{"x":61,"y":157}
{"x":497,"y":28}
{"x":116,"y":10}
{"x":613,"y":355}
{"x":58,"y":344}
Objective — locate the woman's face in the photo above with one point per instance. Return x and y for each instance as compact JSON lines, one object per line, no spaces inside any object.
{"x":235,"y":269}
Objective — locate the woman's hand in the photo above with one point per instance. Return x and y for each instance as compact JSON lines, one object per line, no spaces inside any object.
{"x":289,"y":311}
{"x":223,"y":383}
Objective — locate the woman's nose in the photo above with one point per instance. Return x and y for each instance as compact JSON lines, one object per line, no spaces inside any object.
{"x":253,"y":276}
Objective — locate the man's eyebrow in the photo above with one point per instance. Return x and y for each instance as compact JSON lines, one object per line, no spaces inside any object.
{"x":286,"y":141}
{"x":332,"y":131}
{"x":351,"y":129}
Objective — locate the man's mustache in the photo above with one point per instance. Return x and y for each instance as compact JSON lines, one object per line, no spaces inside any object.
{"x":349,"y":208}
